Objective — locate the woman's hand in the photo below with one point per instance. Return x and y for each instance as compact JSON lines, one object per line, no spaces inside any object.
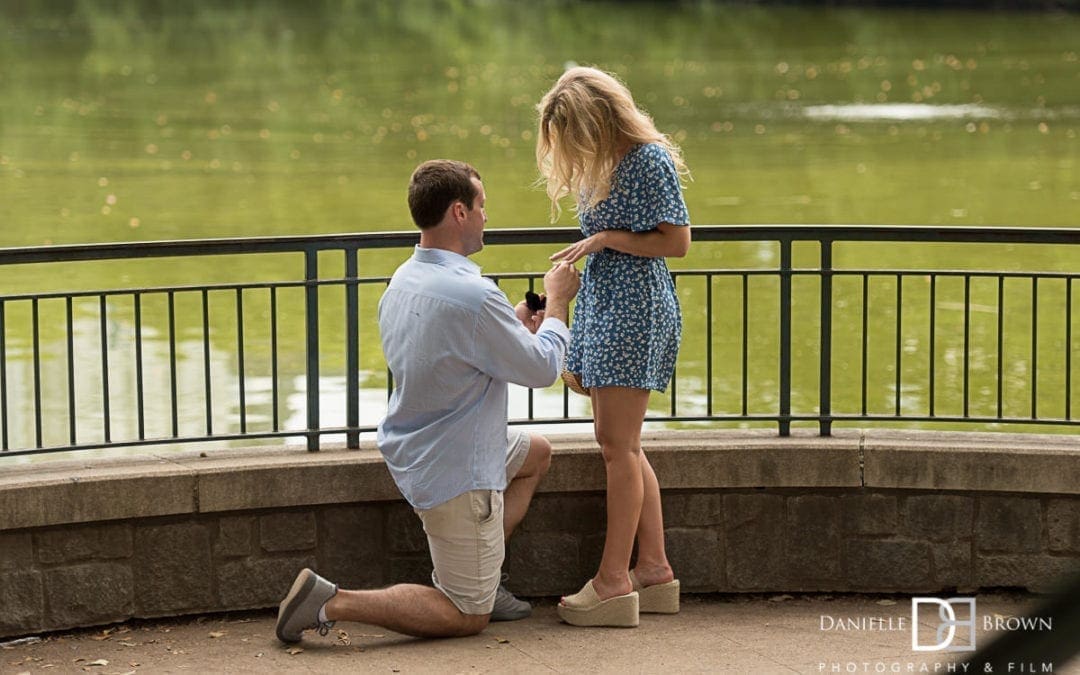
{"x":576,"y":252}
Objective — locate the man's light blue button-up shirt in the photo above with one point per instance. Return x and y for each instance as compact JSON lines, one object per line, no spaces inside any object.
{"x":453,"y":342}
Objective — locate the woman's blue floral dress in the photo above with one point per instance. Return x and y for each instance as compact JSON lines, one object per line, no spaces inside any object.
{"x":627,"y":323}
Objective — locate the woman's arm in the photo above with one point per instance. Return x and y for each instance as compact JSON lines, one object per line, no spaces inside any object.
{"x":666,"y":241}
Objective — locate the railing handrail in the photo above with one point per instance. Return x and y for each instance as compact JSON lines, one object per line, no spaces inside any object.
{"x":533,"y":235}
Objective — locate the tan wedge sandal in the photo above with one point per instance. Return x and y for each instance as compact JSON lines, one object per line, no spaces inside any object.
{"x":585,"y":608}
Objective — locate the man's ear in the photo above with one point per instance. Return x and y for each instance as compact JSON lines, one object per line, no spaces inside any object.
{"x":459,"y":211}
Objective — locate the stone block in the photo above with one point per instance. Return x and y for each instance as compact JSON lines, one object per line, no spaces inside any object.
{"x":967,"y":461}
{"x":590,"y":551}
{"x":938,"y":517}
{"x":1036,"y":572}
{"x":249,"y":584}
{"x":1009,"y":525}
{"x":23,"y":601}
{"x":693,"y":510}
{"x":234,"y":536}
{"x":952,"y":565}
{"x":122,"y":490}
{"x":88,"y":594}
{"x":813,"y":537}
{"x":351,"y":547}
{"x":754,"y":534}
{"x":695,"y":556}
{"x":544,"y":563}
{"x":884,"y":565}
{"x":289,"y":531}
{"x":414,"y":569}
{"x":581,"y":514}
{"x":1063,"y":524}
{"x":173,"y":571}
{"x":16,"y":551}
{"x":870,"y":514}
{"x":90,"y":542}
{"x":405,"y":531}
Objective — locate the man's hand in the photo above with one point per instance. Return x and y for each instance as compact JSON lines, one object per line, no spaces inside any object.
{"x":561,"y":283}
{"x":529,"y":318}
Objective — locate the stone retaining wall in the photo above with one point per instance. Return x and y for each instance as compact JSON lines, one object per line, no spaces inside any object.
{"x":744,"y":512}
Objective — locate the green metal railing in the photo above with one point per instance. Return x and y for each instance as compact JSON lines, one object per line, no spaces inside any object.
{"x":693,"y":395}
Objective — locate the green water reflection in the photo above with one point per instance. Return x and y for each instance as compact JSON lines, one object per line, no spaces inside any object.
{"x":128,"y":121}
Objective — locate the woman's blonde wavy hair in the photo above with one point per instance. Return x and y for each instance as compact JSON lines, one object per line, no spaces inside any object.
{"x":586,"y":119}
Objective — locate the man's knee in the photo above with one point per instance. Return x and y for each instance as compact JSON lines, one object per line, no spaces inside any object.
{"x":471,"y":624}
{"x":539,"y":454}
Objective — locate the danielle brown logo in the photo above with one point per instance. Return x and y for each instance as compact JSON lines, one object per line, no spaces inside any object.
{"x":954,"y":621}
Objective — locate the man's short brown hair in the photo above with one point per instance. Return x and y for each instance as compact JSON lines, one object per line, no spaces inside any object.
{"x":435,"y":185}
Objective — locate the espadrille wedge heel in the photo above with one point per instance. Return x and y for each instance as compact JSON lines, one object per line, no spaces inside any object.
{"x":657,"y":599}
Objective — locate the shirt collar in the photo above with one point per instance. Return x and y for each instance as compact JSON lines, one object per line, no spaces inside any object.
{"x":441,"y":256}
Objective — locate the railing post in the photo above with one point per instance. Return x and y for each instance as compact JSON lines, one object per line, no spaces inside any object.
{"x":311,"y":325}
{"x":352,"y":350}
{"x":785,"y":337}
{"x":825,"y":377}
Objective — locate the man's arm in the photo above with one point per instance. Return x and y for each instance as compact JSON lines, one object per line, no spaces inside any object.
{"x":506,"y":350}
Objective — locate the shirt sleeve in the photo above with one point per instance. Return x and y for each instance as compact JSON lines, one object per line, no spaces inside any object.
{"x":506,"y":350}
{"x":656,"y":191}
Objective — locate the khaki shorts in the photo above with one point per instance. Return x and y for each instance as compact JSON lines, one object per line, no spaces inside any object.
{"x":465,"y":537}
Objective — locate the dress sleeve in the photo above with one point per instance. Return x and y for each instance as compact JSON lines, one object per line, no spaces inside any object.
{"x":656,"y":192}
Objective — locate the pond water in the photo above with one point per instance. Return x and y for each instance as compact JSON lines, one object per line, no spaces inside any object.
{"x":131,"y":121}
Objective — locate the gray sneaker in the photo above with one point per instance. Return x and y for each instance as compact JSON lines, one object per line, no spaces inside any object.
{"x":509,"y":608}
{"x":299,"y":611}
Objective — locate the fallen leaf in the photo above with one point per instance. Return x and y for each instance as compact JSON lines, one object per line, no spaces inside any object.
{"x":295,"y":650}
{"x":217,"y":634}
{"x":886,"y":603}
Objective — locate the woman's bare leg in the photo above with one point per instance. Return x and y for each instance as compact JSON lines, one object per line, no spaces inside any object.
{"x":619,"y":413}
{"x":652,"y":564}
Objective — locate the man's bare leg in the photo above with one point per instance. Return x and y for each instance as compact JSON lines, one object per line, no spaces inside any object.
{"x":411,"y":609}
{"x":522,"y":487}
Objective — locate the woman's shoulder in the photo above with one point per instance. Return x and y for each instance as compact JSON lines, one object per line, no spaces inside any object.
{"x":650,"y":154}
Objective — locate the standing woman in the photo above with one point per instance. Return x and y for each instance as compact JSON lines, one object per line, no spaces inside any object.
{"x":624,"y":175}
